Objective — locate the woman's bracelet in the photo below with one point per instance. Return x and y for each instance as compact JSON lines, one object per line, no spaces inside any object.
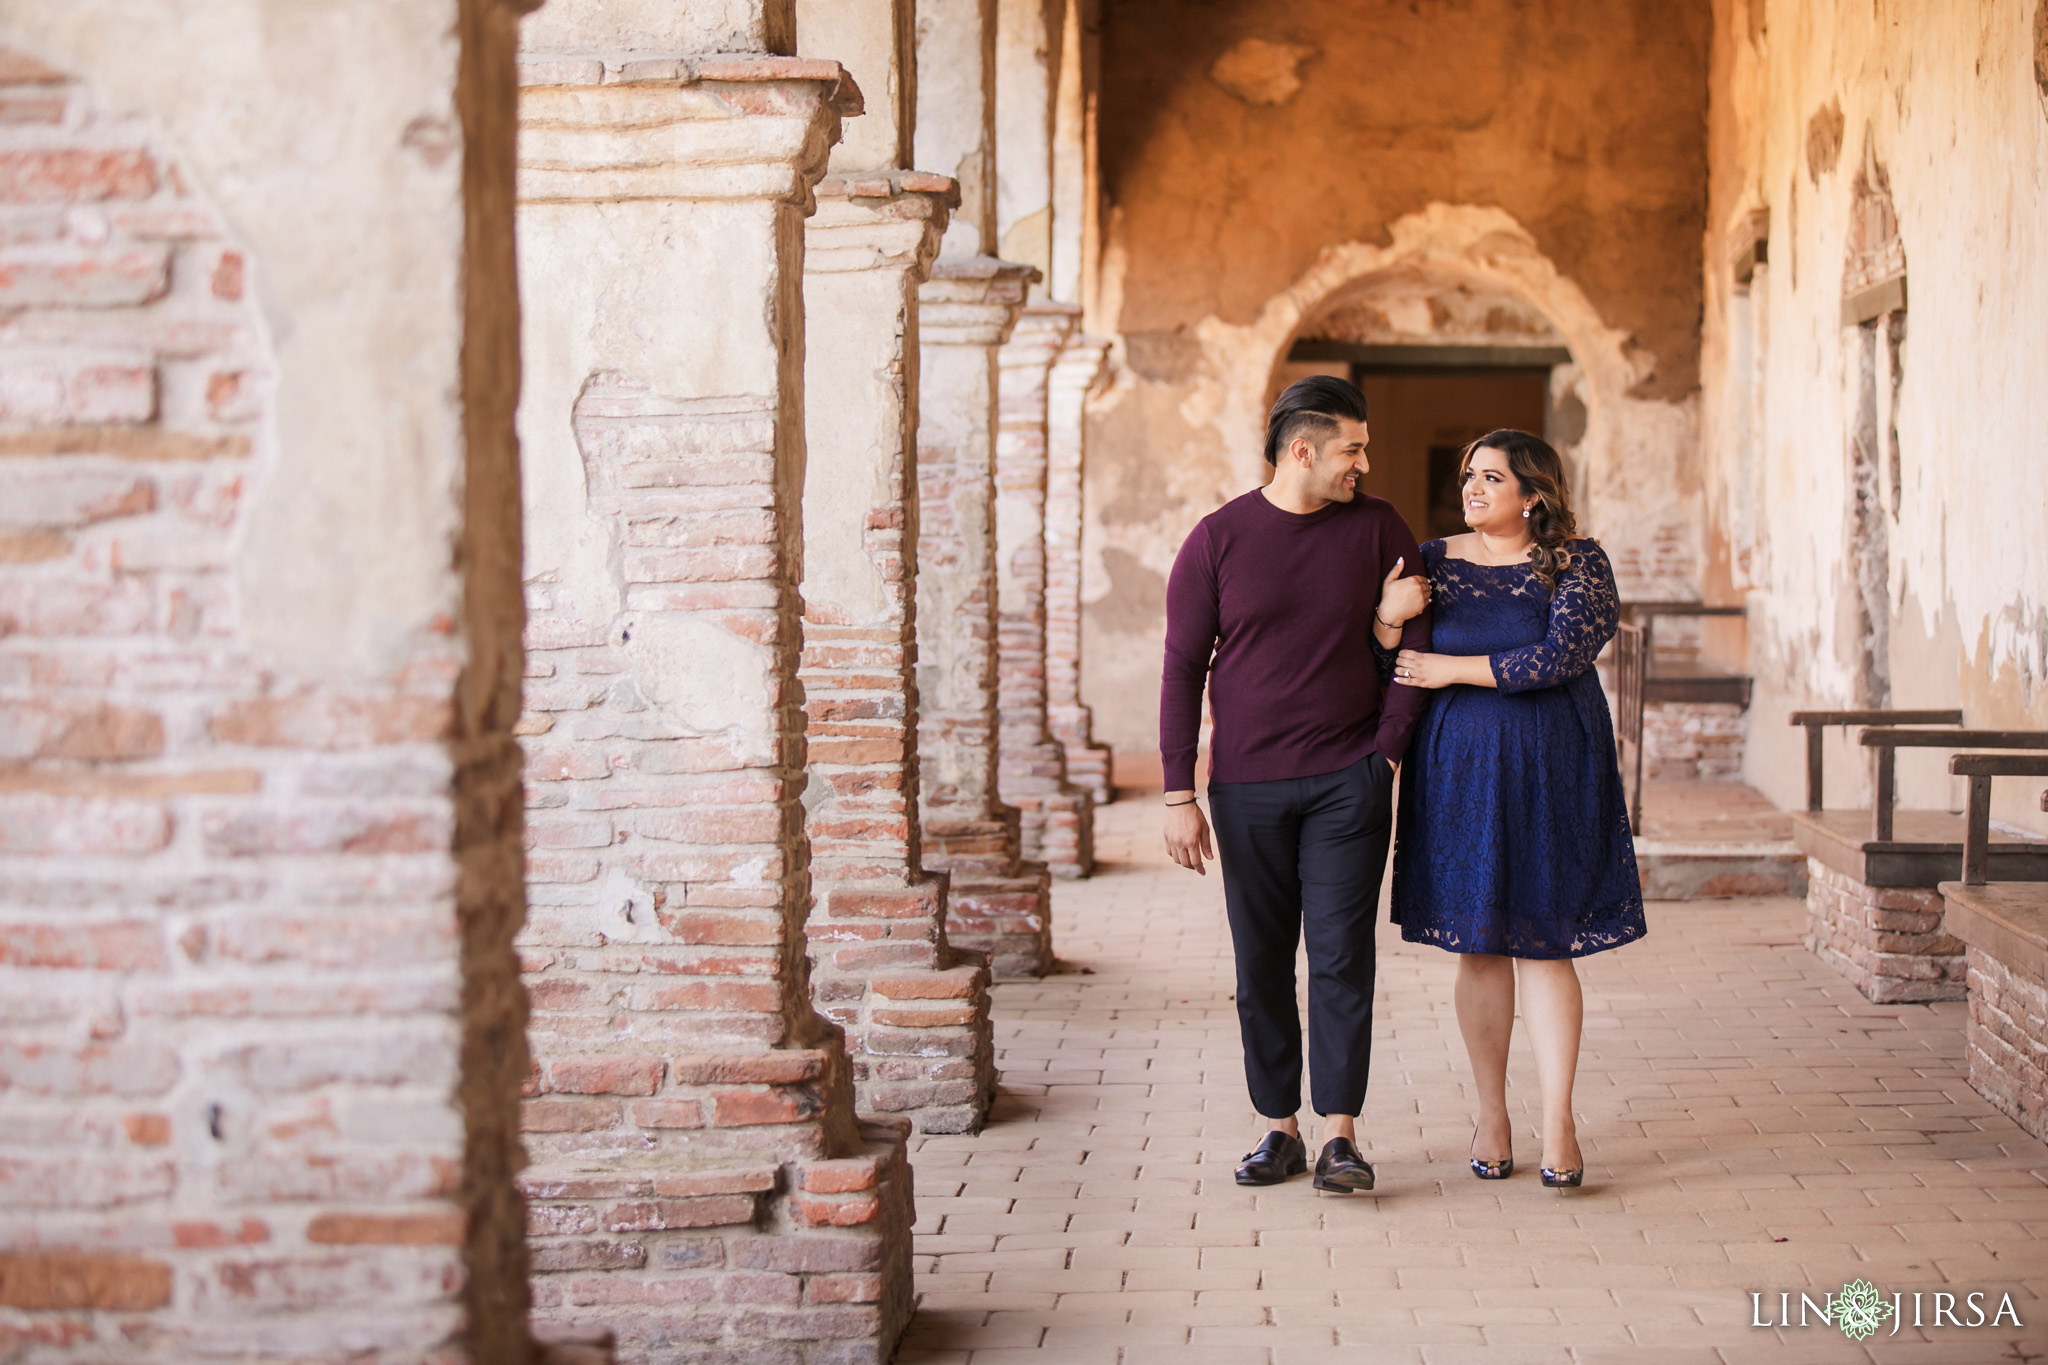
{"x":1189,"y":802}
{"x":1390,"y":625}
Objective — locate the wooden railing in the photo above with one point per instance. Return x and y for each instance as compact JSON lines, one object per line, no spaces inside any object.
{"x":1816,"y":723}
{"x":1980,"y":769}
{"x":1884,"y":760}
{"x":1699,"y":684}
{"x":1631,"y":651}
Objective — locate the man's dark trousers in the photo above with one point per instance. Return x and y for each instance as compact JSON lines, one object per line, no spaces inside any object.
{"x":1305,"y":856}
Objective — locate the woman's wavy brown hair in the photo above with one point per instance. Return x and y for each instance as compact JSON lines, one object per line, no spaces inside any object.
{"x":1541,"y":474}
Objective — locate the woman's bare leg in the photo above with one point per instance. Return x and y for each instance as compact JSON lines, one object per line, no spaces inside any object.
{"x":1485,"y":996}
{"x":1554,"y":1010}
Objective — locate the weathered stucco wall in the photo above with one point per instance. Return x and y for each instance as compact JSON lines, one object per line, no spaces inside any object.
{"x":1264,"y":166}
{"x":1817,"y":107}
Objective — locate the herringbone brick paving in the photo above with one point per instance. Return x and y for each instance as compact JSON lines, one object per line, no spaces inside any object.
{"x":1750,"y":1123}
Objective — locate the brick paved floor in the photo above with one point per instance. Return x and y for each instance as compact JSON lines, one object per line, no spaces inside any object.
{"x":1749,"y":1123}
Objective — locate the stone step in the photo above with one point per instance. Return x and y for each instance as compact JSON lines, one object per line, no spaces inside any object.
{"x":1673,"y":870}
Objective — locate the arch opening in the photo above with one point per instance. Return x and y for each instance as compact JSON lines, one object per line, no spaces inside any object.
{"x":1442,"y":361}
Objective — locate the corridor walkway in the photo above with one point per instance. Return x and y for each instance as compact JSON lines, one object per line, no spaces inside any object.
{"x":1750,"y":1124}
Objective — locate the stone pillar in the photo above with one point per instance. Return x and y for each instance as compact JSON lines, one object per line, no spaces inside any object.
{"x":260,"y":859}
{"x":1028,"y":41}
{"x":1074,"y":375}
{"x":1056,"y":820}
{"x":914,"y":1008}
{"x":699,"y":1181}
{"x":966,"y":311}
{"x":999,"y":904}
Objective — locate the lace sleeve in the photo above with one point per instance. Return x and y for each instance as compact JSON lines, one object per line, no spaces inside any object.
{"x":1584,"y":611}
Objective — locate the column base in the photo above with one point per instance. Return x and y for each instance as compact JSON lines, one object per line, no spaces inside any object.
{"x":1009,"y":918}
{"x":915,"y":1008}
{"x":1000,"y":905}
{"x":800,"y":1264}
{"x":1888,"y":941}
{"x":1088,"y":763}
{"x":1058,"y":829}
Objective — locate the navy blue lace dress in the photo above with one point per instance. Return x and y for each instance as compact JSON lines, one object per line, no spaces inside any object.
{"x":1513,"y":835}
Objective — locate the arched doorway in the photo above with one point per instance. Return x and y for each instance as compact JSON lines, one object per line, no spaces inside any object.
{"x":1456,"y":276}
{"x":1441,"y":362}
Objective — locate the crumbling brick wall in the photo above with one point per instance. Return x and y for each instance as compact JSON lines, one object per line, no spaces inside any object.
{"x":263,"y":1025}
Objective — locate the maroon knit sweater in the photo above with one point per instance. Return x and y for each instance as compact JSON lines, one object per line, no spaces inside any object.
{"x":1275,"y":610}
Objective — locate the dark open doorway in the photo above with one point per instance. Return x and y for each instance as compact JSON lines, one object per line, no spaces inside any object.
{"x":1428,"y":403}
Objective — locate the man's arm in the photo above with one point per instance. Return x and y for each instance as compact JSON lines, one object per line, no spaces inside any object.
{"x":1401,"y":706}
{"x":1192,"y":621}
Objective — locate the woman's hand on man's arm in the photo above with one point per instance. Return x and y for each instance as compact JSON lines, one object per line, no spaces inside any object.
{"x":1417,"y":669}
{"x":1401,"y":601}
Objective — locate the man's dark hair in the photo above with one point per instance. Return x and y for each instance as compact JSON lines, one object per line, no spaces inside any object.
{"x":1310,"y":407}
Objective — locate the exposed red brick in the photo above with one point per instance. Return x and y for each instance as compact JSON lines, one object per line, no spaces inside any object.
{"x":442,"y":1227}
{"x":60,"y":1280}
{"x":32,"y":547}
{"x":205,"y":1233}
{"x":662,"y":1214}
{"x":73,"y":175}
{"x":845,"y":1212}
{"x":838,"y":1177}
{"x":147,"y":1130}
{"x":783,"y":1067}
{"x":843,"y":1288}
{"x":607,"y":1075}
{"x":227,"y":276}
{"x":744,"y":1108}
{"x":322,"y":721}
{"x":934,"y":986}
{"x":93,"y":732}
{"x":569,"y":1116}
{"x":133,"y":945}
{"x":669,"y":1113}
{"x":710,"y":995}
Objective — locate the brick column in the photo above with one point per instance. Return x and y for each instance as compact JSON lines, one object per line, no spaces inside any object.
{"x":1888,"y":940}
{"x":1057,"y":820}
{"x":259,"y":660}
{"x":914,"y":1008}
{"x":1074,"y":375}
{"x":1000,"y":904}
{"x":699,"y":1181}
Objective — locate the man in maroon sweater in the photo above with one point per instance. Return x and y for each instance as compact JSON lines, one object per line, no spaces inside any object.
{"x":1277,"y":601}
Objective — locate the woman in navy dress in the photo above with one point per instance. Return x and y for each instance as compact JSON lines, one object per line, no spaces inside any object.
{"x":1513,"y":845}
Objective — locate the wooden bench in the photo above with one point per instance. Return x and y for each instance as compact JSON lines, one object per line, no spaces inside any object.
{"x":2003,"y":926}
{"x":1885,"y":846}
{"x":1873,"y":910}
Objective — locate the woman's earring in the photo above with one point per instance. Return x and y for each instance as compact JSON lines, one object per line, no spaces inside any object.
{"x":1525,"y":514}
